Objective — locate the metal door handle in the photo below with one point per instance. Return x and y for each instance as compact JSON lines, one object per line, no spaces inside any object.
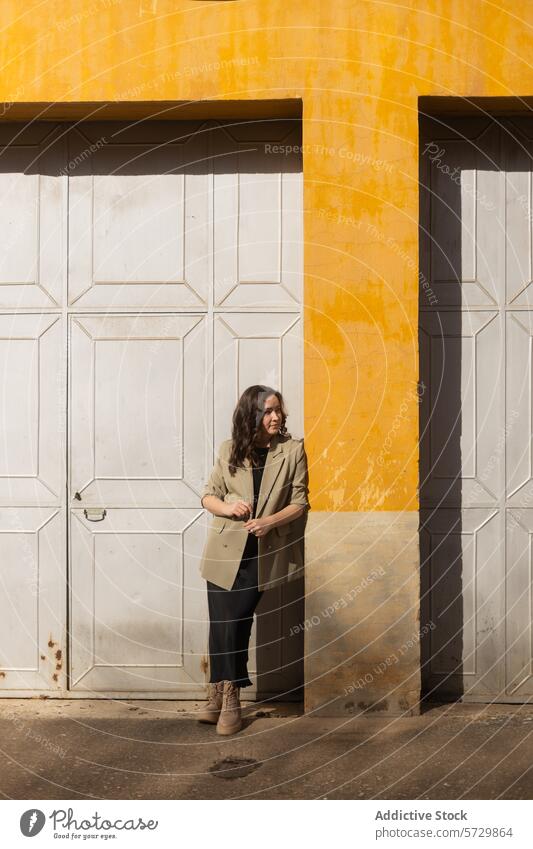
{"x":94,"y":514}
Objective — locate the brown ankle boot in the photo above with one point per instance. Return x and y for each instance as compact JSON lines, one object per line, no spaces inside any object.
{"x":230,"y":719}
{"x":211,"y":710}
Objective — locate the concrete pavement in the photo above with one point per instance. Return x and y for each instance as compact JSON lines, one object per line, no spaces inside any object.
{"x":84,"y":749}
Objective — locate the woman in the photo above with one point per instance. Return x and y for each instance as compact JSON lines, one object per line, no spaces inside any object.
{"x":257,"y":492}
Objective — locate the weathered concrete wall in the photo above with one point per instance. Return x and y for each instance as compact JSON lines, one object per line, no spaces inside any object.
{"x":362,"y":652}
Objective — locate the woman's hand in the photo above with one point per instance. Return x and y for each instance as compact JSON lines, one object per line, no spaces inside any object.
{"x":238,"y":510}
{"x":259,"y":527}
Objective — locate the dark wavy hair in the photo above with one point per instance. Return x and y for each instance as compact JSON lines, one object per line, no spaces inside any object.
{"x":246,"y":424}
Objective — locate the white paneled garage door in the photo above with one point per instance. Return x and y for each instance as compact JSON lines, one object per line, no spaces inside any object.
{"x":148,"y":274}
{"x":476,"y":327}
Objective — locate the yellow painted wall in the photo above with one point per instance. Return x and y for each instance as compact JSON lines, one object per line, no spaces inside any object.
{"x":359,"y":68}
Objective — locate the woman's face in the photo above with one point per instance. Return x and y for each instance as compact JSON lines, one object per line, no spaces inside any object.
{"x":271,"y":421}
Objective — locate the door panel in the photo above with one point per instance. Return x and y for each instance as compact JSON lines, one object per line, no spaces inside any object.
{"x":257,"y":348}
{"x":519,"y":401}
{"x":276,"y":649}
{"x":462,"y":587}
{"x":33,"y":219}
{"x":138,"y":616}
{"x":462,"y":248}
{"x":516,"y":154}
{"x":518,"y":655}
{"x":32,"y":445}
{"x":32,"y":590}
{"x":137,"y":602}
{"x":257,"y":215}
{"x":139,"y":219}
{"x":461,"y":356}
{"x":137,"y":423}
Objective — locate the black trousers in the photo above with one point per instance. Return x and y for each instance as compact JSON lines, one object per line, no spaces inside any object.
{"x":231,"y":614}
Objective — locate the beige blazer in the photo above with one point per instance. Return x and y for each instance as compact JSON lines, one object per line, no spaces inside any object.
{"x":281,"y":550}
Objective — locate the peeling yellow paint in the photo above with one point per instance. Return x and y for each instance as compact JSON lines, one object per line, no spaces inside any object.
{"x":337,"y":498}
